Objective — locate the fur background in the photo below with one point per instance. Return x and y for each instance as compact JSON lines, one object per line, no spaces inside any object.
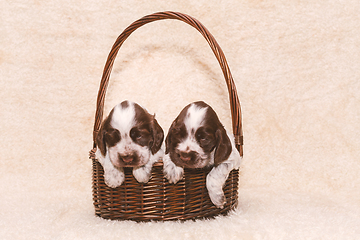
{"x":296,"y":68}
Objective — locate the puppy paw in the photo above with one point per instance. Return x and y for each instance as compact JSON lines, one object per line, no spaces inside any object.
{"x":174,"y":175}
{"x":214,"y":187}
{"x":142,"y":174}
{"x":172,"y":172}
{"x":218,"y":200}
{"x":114,"y":177}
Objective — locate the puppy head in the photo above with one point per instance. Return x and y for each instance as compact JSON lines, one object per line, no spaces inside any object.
{"x":129,"y":135}
{"x":197,"y":138}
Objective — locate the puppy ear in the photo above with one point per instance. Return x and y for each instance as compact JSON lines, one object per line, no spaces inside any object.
{"x":223,"y":146}
{"x":168,"y":138}
{"x":100,"y":140}
{"x":158,"y":136}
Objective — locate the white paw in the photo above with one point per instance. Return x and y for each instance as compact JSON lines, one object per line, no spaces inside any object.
{"x":172,"y":172}
{"x":216,"y":194}
{"x":114,"y":177}
{"x":218,"y":199}
{"x":142,"y":174}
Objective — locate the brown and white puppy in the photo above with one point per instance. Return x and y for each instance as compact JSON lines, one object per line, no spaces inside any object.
{"x":128,"y":137}
{"x":197,"y":139}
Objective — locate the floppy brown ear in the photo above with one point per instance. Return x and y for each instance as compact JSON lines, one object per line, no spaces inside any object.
{"x":168,"y":138}
{"x":223,"y":146}
{"x":100,"y":140}
{"x":158,"y":136}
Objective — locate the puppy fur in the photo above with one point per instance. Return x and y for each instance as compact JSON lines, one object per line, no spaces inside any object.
{"x":197,"y":139}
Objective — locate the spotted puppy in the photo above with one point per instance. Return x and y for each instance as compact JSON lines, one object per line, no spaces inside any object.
{"x":197,"y":139}
{"x":128,"y":137}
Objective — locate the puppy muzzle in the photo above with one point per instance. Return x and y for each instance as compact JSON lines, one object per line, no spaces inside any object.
{"x":189,"y":159}
{"x":128,"y":160}
{"x":187,"y":156}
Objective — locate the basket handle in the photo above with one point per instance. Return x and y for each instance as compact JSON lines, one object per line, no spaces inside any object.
{"x":234,"y":100}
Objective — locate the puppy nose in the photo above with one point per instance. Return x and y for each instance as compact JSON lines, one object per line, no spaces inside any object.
{"x":126,"y":158}
{"x":185,"y":156}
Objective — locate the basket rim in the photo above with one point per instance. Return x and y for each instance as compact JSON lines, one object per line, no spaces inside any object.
{"x":158,"y":163}
{"x":92,"y":156}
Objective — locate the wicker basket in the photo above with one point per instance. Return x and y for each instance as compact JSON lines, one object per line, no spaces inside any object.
{"x":158,"y":199}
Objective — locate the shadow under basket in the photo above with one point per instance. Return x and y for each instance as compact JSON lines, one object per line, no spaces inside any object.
{"x":158,"y":200}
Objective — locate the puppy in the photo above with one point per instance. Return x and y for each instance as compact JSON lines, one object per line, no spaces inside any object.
{"x":128,"y":137}
{"x":197,"y":139}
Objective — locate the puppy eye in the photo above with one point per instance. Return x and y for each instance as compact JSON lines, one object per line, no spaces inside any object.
{"x":200,"y":135}
{"x":204,"y":135}
{"x":135,"y":134}
{"x":112,"y":136}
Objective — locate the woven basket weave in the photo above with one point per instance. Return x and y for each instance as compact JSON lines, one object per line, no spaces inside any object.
{"x":158,"y":199}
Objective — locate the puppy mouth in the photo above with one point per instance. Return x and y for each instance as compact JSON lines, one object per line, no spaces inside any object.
{"x":127,"y":159}
{"x":184,"y":158}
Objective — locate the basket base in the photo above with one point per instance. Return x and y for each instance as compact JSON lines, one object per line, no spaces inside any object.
{"x":158,"y":200}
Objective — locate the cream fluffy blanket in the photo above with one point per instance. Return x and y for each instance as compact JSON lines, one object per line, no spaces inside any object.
{"x":296,"y":68}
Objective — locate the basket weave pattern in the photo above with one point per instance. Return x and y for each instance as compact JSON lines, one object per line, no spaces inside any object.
{"x":158,"y":199}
